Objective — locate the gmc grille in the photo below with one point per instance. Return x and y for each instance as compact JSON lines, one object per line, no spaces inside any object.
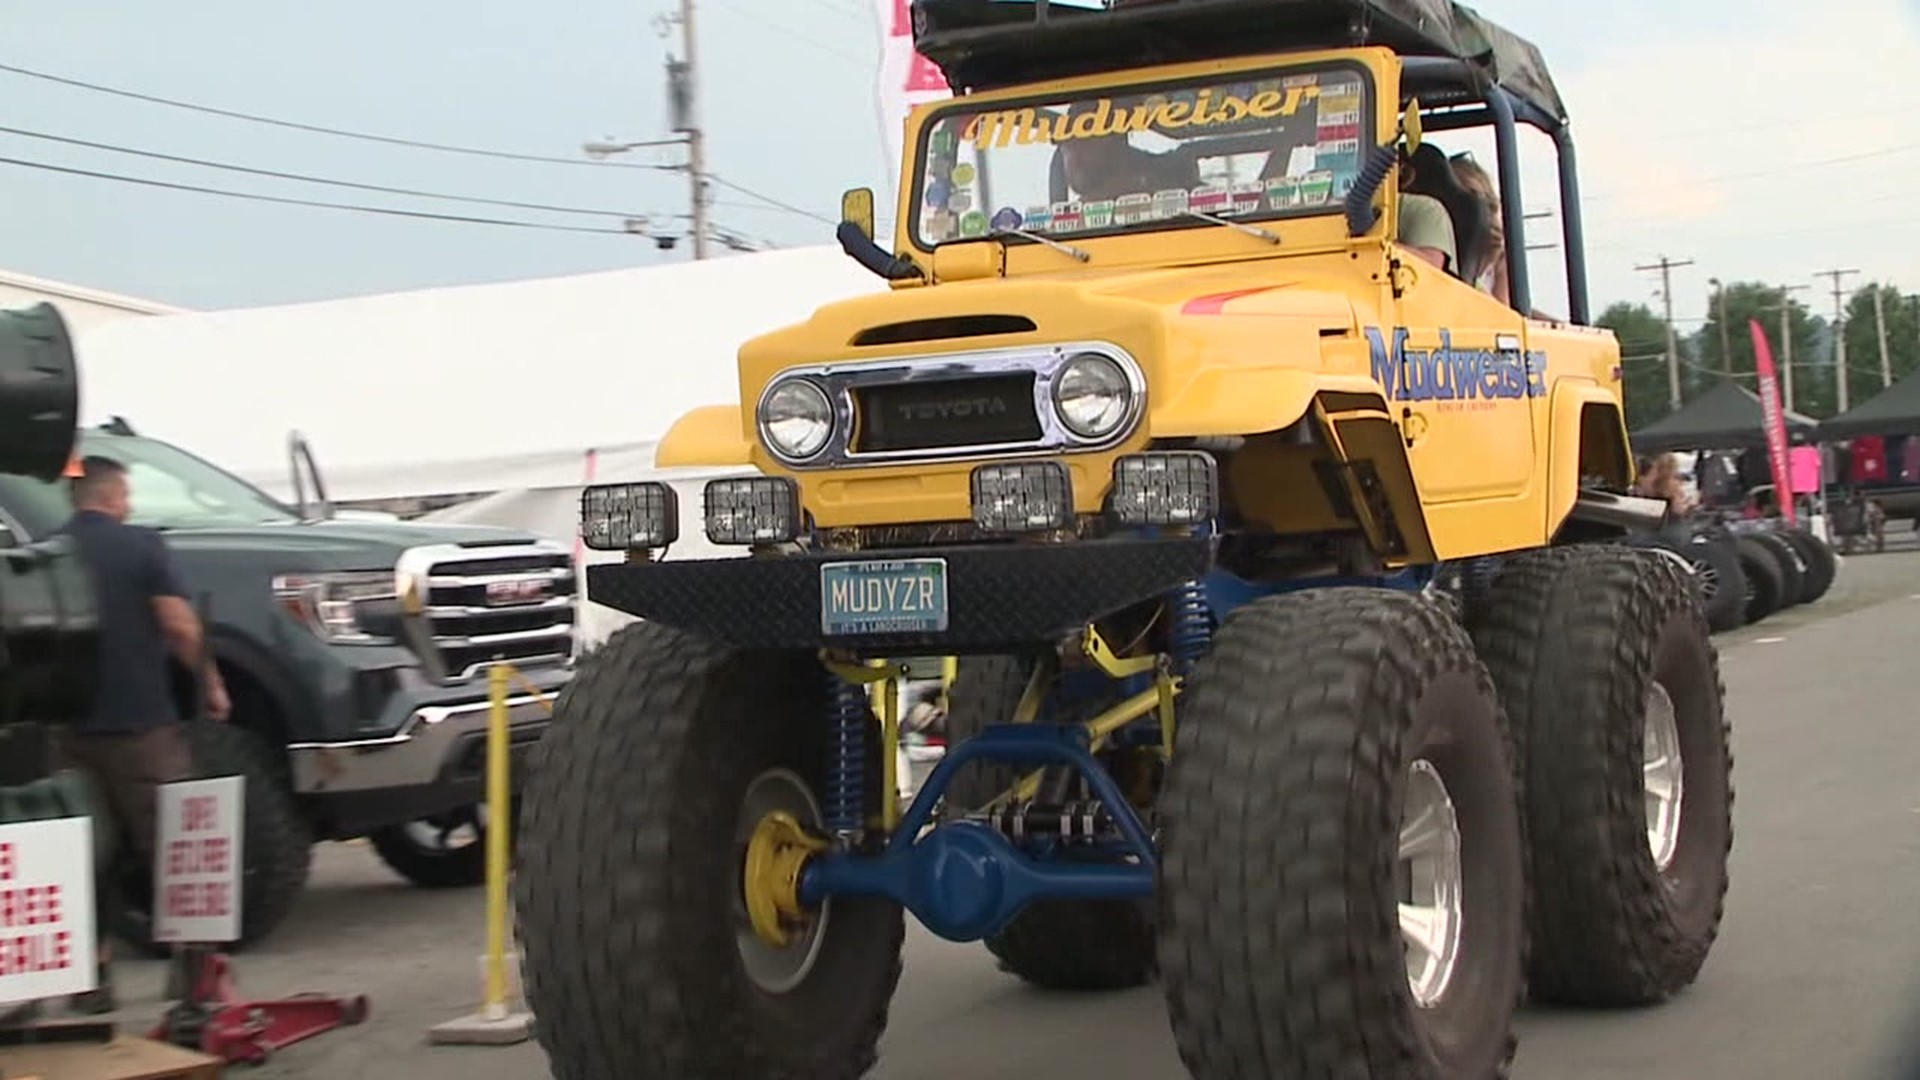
{"x":518,"y":606}
{"x":985,"y":411}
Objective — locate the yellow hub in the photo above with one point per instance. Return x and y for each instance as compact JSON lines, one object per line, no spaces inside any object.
{"x":776,"y":854}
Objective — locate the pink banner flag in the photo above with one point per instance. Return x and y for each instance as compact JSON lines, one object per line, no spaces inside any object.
{"x":1776,"y":422}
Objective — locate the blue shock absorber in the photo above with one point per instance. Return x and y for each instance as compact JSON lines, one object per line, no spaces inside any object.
{"x":847,"y":761}
{"x":1190,"y":631}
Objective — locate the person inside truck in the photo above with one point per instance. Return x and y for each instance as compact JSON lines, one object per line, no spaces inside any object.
{"x":134,"y":740}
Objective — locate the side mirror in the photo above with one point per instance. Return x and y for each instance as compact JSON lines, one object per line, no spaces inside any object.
{"x":1411,"y":126}
{"x":7,"y":539}
{"x":856,"y":208}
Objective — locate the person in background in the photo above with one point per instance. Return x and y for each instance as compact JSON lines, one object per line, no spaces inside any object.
{"x":1661,"y":480}
{"x":1493,"y":271}
{"x":135,"y":739}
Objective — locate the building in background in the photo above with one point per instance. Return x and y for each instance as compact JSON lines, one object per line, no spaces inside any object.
{"x":84,"y":309}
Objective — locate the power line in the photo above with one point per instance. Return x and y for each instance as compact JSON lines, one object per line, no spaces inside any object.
{"x":387,"y":211}
{"x":1666,"y":267}
{"x":310,"y":179}
{"x":419,"y":144}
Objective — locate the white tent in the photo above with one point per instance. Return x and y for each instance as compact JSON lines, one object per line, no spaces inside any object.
{"x":472,"y":388}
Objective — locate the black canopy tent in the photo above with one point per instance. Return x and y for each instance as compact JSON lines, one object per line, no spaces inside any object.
{"x":1894,"y":411}
{"x":1727,"y":417}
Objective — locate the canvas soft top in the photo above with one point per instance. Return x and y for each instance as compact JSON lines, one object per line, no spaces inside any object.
{"x":987,"y":44}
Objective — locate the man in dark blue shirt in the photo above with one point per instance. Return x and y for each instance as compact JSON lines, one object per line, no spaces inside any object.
{"x":133,"y":741}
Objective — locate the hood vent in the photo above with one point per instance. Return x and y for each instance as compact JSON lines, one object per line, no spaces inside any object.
{"x":958,"y":326}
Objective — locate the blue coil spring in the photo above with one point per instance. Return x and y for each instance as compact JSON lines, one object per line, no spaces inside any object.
{"x":847,"y":763}
{"x":1190,"y":631}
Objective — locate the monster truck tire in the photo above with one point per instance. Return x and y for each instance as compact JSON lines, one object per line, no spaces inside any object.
{"x":1054,"y":944}
{"x":1793,"y":575}
{"x":1817,"y":557}
{"x":629,"y":885}
{"x":1717,"y":577}
{"x":1607,"y":669}
{"x":1304,"y":737}
{"x":1765,"y":585}
{"x":276,"y":844}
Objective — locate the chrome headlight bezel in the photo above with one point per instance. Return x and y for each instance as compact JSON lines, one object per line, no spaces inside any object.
{"x":1124,"y":390}
{"x":764,"y":421}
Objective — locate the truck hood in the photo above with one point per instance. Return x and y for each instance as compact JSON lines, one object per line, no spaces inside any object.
{"x":331,"y":545}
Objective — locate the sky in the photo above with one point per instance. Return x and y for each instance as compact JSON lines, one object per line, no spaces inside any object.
{"x":1761,"y":139}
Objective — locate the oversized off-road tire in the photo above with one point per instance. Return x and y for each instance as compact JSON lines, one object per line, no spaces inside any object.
{"x":1765,"y":585}
{"x":276,"y":843}
{"x":1341,"y":765}
{"x":1793,"y":571}
{"x":1717,"y":577}
{"x":665,"y":751}
{"x":1817,"y":557}
{"x":1612,"y":682}
{"x":447,"y":851}
{"x":1055,"y":944}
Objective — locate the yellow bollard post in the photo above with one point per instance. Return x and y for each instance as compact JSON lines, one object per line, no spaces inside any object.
{"x":496,"y":1024}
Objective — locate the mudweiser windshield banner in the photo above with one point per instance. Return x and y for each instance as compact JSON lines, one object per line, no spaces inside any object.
{"x":1776,"y":421}
{"x":906,"y":78}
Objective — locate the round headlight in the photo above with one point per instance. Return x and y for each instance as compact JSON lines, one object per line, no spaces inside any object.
{"x":1092,"y":396}
{"x":797,"y":419}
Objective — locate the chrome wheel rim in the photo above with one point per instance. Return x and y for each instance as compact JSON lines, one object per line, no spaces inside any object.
{"x":1430,"y":907}
{"x":449,"y":832}
{"x":1664,"y":776}
{"x":776,"y":969}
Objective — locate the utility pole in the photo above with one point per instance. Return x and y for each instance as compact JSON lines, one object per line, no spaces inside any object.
{"x":1666,"y":267}
{"x":1880,"y":326}
{"x":1726,"y":336}
{"x":683,"y":84}
{"x":1785,"y":309}
{"x":1839,"y":335}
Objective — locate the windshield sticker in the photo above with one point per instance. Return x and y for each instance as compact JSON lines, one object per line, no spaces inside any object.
{"x":1133,"y":209}
{"x":1248,"y":196}
{"x":1168,"y":204}
{"x":1099,"y":119}
{"x":963,"y":174}
{"x":973,"y":225}
{"x":1099,"y":214}
{"x":1007,"y":219}
{"x":1208,"y":200}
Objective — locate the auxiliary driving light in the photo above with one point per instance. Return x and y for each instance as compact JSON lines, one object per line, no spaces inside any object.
{"x":629,"y":517}
{"x":1022,"y":497}
{"x":1179,"y":487}
{"x":753,"y":510}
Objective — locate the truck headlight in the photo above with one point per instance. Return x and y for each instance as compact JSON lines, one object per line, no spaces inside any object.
{"x":358,"y":608}
{"x":1022,"y":497}
{"x":629,"y":517}
{"x":1092,"y":396}
{"x":753,"y":510}
{"x":796,"y":419}
{"x":1173,"y":488}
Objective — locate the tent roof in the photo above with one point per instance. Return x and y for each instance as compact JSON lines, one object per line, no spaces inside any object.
{"x":1727,"y":417}
{"x":415,"y":393}
{"x":1894,"y":411}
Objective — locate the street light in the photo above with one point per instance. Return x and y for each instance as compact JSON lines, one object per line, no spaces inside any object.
{"x":607,"y":146}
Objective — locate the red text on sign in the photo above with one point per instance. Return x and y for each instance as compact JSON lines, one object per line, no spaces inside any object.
{"x":37,"y":905}
{"x":208,"y":856}
{"x":32,"y":954}
{"x":6,"y":862}
{"x":200,"y":813}
{"x":199,"y":900}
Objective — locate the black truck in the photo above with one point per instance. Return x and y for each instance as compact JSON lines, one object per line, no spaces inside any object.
{"x":356,"y":653}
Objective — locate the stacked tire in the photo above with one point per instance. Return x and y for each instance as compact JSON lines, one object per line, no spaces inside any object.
{"x":1744,"y":578}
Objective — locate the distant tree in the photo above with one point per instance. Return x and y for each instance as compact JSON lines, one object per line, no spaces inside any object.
{"x":1643,"y":355}
{"x":1863,"y":339}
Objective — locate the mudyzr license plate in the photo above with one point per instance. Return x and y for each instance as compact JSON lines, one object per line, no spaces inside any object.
{"x":900,"y":597}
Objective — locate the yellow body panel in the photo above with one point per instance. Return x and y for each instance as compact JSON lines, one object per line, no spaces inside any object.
{"x":1472,"y":416}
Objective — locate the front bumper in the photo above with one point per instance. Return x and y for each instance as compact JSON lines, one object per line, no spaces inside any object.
{"x":436,"y":762}
{"x":1000,"y":596}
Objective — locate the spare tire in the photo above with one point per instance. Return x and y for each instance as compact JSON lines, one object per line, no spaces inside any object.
{"x":1717,"y":577}
{"x":1821,"y":564}
{"x":1793,"y":569}
{"x":1765,"y":585}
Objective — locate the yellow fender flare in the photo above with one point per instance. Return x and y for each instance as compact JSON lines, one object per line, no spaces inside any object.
{"x":1575,"y":434}
{"x":709,"y":435}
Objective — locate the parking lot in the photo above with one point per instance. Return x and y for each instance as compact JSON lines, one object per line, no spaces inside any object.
{"x":1814,"y":967}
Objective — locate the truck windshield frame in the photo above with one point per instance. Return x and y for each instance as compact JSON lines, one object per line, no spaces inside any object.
{"x":172,"y":489}
{"x":1054,"y":163}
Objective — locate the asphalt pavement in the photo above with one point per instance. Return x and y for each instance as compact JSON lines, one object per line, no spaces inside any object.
{"x":1817,"y":973}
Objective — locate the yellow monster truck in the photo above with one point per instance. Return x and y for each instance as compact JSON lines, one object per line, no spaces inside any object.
{"x":1299,"y":667}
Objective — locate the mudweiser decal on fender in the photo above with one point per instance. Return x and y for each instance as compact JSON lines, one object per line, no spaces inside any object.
{"x":1458,"y":374}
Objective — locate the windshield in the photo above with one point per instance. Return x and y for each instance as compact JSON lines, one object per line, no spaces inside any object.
{"x":1248,"y":146}
{"x":170,"y":489}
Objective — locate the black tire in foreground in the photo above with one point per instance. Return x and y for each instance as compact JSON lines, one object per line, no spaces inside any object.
{"x":448,"y":851}
{"x":665,"y":751}
{"x":1793,"y":570}
{"x":1613,"y":684}
{"x":276,"y":844}
{"x":1054,"y":944}
{"x":1766,"y":588}
{"x":1818,"y":558}
{"x":1324,"y":728}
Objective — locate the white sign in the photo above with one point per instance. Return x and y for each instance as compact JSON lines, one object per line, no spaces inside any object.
{"x":906,"y":78}
{"x":196,"y":871}
{"x":46,"y":909}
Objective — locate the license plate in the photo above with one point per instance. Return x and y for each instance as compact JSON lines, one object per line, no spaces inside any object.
{"x":901,"y":597}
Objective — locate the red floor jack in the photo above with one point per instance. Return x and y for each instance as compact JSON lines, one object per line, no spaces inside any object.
{"x":213,"y":1019}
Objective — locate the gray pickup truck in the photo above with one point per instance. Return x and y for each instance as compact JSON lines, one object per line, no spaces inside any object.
{"x":356,"y":653}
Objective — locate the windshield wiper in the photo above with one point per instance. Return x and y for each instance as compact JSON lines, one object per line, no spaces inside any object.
{"x":1064,"y":249}
{"x":1250,"y":230}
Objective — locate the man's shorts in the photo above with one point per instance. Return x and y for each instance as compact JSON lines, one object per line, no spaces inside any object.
{"x":128,"y":771}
